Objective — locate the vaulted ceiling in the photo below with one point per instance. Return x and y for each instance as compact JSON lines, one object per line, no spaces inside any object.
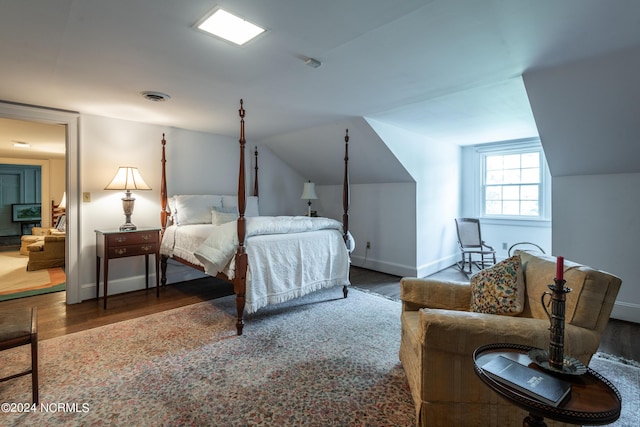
{"x":449,"y":70}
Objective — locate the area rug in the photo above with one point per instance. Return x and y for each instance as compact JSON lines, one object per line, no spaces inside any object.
{"x":17,"y":282}
{"x":320,"y":360}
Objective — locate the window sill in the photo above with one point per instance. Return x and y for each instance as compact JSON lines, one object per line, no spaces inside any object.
{"x":517,"y":222}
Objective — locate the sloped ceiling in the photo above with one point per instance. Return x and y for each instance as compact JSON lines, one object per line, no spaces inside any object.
{"x":323,"y":160}
{"x":588,"y":114}
{"x":446,"y":69}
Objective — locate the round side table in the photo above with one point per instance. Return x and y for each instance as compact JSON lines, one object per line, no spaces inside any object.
{"x":593,"y":401}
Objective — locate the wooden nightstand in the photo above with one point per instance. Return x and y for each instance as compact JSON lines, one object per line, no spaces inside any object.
{"x":122,"y":244}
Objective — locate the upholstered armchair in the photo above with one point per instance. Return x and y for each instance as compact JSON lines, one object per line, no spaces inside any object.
{"x":440,"y":333}
{"x":37,"y":235}
{"x":47,"y":253}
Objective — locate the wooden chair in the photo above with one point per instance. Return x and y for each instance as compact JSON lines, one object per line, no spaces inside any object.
{"x":471,"y":243}
{"x":57,"y":211}
{"x":18,"y":328}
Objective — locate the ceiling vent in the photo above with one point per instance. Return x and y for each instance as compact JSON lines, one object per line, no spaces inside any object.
{"x":155,"y":96}
{"x":313,"y":63}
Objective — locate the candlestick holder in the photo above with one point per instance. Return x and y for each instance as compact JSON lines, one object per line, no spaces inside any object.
{"x":554,"y":359}
{"x":556,"y":318}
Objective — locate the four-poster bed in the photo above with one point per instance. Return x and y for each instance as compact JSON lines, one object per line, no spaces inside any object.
{"x":286,"y":257}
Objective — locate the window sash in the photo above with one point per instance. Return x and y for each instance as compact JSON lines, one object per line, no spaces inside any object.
{"x":513,"y":180}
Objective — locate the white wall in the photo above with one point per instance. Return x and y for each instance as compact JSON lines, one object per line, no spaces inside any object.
{"x":595,"y":222}
{"x":587,"y":115}
{"x":197,"y":163}
{"x":427,"y":223}
{"x":383,"y":214}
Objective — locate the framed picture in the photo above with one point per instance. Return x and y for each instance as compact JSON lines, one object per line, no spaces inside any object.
{"x":25,"y":212}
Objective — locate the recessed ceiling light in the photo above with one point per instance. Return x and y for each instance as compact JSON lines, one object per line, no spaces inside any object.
{"x":230,"y":27}
{"x":21,"y":144}
{"x":155,"y":96}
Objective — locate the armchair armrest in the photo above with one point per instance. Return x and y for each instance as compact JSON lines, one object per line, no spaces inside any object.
{"x":418,"y":293}
{"x":461,"y":332}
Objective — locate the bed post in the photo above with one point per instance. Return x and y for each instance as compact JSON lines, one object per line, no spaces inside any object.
{"x":255,"y":178}
{"x":163,"y":212}
{"x":240,"y":280}
{"x":346,"y":198}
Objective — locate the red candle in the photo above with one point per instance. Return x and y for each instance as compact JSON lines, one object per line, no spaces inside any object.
{"x":560,"y":268}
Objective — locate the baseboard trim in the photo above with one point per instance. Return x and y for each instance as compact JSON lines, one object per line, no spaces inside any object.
{"x":626,"y":311}
{"x":437,"y":265}
{"x":383,"y":266}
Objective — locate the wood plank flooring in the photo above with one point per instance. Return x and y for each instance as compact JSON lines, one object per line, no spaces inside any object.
{"x":56,"y":318}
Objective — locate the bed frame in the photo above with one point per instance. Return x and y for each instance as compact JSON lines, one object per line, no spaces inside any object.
{"x":241,"y":260}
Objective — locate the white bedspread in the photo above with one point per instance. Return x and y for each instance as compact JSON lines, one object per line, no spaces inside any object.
{"x":218,"y":249}
{"x":288,"y":256}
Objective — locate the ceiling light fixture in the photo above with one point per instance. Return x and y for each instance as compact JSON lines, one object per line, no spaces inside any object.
{"x":21,"y":144}
{"x":314,"y":63}
{"x":227,"y":26}
{"x":155,"y":96}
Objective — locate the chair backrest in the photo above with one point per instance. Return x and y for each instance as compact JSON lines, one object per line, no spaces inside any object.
{"x":593,"y":292}
{"x":56,"y":213}
{"x":468,"y":233}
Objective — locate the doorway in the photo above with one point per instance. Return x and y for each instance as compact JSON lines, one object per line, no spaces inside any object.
{"x":69,"y":122}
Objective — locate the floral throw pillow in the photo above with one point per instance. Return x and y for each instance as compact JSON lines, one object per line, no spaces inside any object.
{"x":499,"y":289}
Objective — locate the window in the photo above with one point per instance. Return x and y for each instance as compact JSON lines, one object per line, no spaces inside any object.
{"x":514,"y":179}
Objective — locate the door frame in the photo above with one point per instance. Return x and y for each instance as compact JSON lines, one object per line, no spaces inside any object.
{"x":70,"y":120}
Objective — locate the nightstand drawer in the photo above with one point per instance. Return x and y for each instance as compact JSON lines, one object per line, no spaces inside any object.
{"x":132,"y":238}
{"x":132,"y":250}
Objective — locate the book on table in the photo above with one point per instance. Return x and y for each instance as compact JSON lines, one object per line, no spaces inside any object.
{"x":539,"y":385}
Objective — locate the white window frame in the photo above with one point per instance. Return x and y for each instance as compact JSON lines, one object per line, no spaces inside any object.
{"x":513,"y":147}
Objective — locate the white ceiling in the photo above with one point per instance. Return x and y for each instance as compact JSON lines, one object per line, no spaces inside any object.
{"x":447,"y":69}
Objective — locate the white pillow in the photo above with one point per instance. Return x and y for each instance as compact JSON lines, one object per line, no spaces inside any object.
{"x":252,"y":208}
{"x":195,"y":209}
{"x":223,"y":215}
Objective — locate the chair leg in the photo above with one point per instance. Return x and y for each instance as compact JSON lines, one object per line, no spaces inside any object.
{"x":34,"y":356}
{"x":34,"y":371}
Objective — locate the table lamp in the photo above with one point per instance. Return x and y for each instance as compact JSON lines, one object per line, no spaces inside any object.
{"x":309,"y":193}
{"x":127,"y":178}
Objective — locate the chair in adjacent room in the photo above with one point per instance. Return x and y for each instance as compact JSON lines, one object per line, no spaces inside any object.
{"x":19,"y":327}
{"x":472,"y":246}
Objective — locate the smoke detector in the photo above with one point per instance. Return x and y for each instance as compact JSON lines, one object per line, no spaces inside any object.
{"x":155,"y":96}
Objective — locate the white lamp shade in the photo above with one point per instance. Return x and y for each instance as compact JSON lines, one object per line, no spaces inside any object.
{"x":63,"y":202}
{"x":127,"y":178}
{"x":309,"y":191}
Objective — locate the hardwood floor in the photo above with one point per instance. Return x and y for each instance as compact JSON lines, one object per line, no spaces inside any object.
{"x":56,"y":318}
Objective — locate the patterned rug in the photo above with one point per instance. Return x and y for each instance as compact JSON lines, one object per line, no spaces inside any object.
{"x":320,"y":360}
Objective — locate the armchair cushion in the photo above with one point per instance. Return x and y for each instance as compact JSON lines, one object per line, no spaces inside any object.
{"x":499,"y":289}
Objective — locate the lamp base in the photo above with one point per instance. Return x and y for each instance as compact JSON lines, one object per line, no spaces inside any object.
{"x":127,"y":205}
{"x":127,"y":226}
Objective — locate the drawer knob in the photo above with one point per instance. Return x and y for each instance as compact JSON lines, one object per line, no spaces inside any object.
{"x":145,"y":237}
{"x":121,"y":251}
{"x":121,"y":239}
{"x":146,"y":248}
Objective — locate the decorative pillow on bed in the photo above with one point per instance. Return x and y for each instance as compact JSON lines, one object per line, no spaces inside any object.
{"x":223,"y":215}
{"x":499,"y":289}
{"x":251,"y":208}
{"x":194,"y":209}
